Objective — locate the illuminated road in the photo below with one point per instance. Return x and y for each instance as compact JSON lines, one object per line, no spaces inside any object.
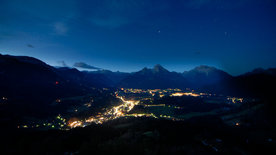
{"x":113,"y":113}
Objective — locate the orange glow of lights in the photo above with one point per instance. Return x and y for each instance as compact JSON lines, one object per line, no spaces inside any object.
{"x":186,"y":94}
{"x":74,"y":122}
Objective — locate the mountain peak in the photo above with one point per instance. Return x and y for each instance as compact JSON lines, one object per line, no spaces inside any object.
{"x":155,"y":70}
{"x":204,"y":68}
{"x":159,"y":68}
{"x":157,"y":65}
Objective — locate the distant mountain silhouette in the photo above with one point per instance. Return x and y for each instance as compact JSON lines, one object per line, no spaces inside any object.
{"x":204,"y":76}
{"x":158,"y":77}
{"x":27,"y":77}
{"x":106,"y":78}
{"x":261,"y":71}
{"x":259,"y":82}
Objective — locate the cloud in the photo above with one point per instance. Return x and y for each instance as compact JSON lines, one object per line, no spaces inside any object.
{"x":84,"y":66}
{"x":60,"y":28}
{"x":197,"y":52}
{"x":30,"y":46}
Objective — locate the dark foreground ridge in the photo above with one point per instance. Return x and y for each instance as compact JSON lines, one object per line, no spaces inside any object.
{"x":204,"y":135}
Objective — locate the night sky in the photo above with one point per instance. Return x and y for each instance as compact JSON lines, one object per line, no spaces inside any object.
{"x":127,"y":35}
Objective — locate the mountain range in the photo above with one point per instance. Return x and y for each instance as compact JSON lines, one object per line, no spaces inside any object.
{"x":157,"y":77}
{"x":26,"y":76}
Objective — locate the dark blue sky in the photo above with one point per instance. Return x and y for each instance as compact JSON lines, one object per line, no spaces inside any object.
{"x":127,"y":35}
